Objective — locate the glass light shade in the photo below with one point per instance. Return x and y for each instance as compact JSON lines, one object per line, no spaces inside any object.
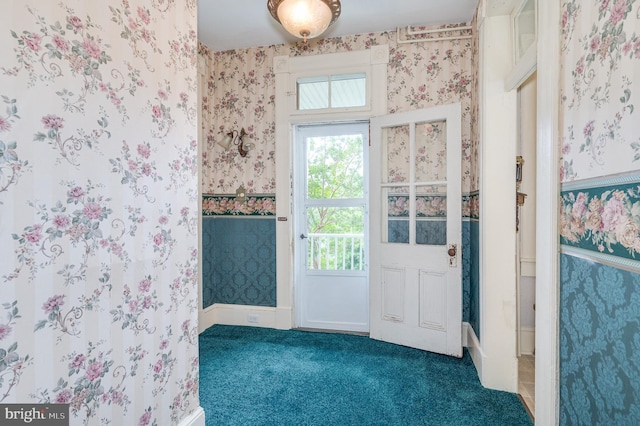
{"x":244,"y":142}
{"x":305,"y":18}
{"x":226,"y":142}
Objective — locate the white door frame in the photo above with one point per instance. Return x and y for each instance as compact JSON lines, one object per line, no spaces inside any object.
{"x":375,"y":60}
{"x":547,"y":235}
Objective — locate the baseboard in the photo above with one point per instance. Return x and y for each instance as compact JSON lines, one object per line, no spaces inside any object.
{"x":465,"y":331}
{"x":254,"y":316}
{"x":194,"y":419}
{"x":528,"y":266}
{"x":527,"y":340}
{"x":471,"y":342}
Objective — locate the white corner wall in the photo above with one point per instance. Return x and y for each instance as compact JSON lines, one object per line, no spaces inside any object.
{"x":498,"y":126}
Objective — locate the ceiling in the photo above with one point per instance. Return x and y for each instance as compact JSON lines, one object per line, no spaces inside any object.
{"x":238,"y":24}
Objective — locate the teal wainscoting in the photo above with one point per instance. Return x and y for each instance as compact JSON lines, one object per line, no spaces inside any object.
{"x":600,"y":301}
{"x":474,"y":278}
{"x":599,"y":344}
{"x":471,"y":259}
{"x":239,"y":250}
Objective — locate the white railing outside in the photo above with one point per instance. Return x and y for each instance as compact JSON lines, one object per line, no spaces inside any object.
{"x":336,"y":252}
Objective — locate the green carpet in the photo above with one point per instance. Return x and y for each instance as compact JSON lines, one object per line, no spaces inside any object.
{"x":257,"y":376}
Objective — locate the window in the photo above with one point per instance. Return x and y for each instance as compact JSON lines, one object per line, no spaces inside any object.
{"x":333,"y":91}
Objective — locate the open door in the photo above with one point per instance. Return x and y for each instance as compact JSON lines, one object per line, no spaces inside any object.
{"x":332,"y":291}
{"x":415,"y":234}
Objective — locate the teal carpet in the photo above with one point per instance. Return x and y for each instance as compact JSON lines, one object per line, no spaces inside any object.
{"x":256,"y":376}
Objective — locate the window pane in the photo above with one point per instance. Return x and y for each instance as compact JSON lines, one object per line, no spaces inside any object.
{"x":348,"y":90}
{"x":313,"y":92}
{"x":335,"y":167}
{"x":336,"y":238}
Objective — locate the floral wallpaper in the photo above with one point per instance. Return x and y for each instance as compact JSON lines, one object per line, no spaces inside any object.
{"x":601,"y":56}
{"x":605,"y":220}
{"x":600,"y":219}
{"x":241,"y":93}
{"x":256,"y":205}
{"x":98,"y":199}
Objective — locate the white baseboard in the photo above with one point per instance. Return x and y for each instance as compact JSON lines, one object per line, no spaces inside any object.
{"x":528,"y":266}
{"x":254,"y":316}
{"x":194,"y":419}
{"x":527,"y":340}
{"x":494,"y":373}
{"x":471,"y":342}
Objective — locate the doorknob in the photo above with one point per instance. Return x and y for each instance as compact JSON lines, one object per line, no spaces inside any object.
{"x":453,"y":255}
{"x":302,"y":236}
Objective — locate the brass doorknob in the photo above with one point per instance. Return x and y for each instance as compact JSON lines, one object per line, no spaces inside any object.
{"x":452,"y":251}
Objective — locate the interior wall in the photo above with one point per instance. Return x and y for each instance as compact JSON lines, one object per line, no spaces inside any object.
{"x":496,"y":359}
{"x":242,"y":94}
{"x":98,"y":200}
{"x":599,"y":220}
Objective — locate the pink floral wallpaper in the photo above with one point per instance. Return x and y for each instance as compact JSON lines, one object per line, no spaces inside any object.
{"x":601,"y":60}
{"x":98,"y":208}
{"x":241,"y":93}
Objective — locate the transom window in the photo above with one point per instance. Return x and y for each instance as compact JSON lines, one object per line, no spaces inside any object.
{"x":332,"y":91}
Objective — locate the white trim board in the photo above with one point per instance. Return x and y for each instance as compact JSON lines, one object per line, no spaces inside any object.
{"x":548,"y":190}
{"x":471,"y":342}
{"x":527,"y":340}
{"x":196,"y":418}
{"x":253,"y":316}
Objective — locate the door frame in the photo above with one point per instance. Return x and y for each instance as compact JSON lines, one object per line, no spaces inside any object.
{"x":285,"y":68}
{"x":298,"y":204}
{"x":547,"y":207}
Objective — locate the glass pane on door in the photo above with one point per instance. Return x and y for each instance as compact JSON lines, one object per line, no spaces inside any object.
{"x":396,"y":210}
{"x":431,"y":215}
{"x":335,"y":167}
{"x":431,"y":151}
{"x":395,"y":154}
{"x":335,"y":239}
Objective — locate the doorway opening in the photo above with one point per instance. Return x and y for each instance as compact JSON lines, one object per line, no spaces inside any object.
{"x":331,"y":220}
{"x":526,"y":241}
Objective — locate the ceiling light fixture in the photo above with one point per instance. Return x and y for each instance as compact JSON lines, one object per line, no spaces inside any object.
{"x":305,"y":18}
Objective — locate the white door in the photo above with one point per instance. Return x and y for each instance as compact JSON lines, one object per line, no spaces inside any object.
{"x":332,"y":290}
{"x":416,"y":286}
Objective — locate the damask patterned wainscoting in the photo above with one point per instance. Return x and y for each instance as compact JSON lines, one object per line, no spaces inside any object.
{"x":471,"y":261}
{"x":600,"y":302}
{"x":599,"y":344}
{"x":239,"y":251}
{"x":474,"y":277}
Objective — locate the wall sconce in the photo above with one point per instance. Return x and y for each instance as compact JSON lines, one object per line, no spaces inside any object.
{"x":240,"y":139}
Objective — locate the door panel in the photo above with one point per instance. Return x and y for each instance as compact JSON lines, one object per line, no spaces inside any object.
{"x":415,"y":174}
{"x":393,"y":294}
{"x":433,"y":300}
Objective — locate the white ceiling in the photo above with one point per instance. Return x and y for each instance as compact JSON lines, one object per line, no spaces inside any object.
{"x":237,"y":24}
